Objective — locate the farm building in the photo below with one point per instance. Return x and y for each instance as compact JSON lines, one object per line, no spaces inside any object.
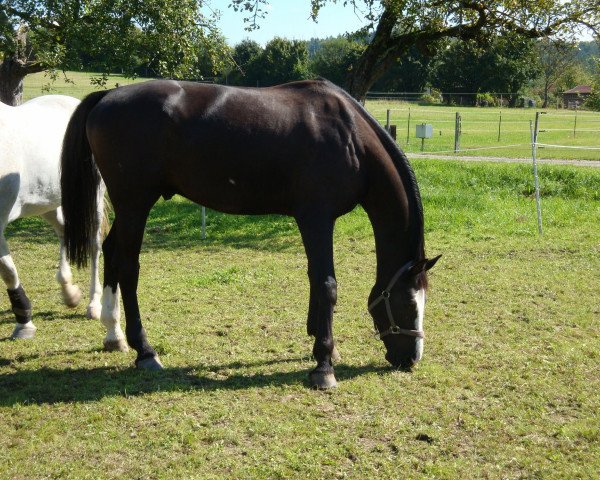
{"x":575,"y":97}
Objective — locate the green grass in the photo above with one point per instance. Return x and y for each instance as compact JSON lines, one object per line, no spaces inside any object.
{"x":74,"y":84}
{"x":508,"y":386}
{"x":480,"y":130}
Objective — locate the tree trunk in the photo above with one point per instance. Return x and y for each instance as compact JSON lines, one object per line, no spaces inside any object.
{"x":370,"y":67}
{"x":376,"y":59}
{"x":387,"y":46}
{"x":546,"y":91}
{"x":12,"y":73}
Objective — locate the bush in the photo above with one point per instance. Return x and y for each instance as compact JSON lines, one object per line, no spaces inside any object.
{"x":433,"y":97}
{"x":486,"y":100}
{"x":593,"y":101}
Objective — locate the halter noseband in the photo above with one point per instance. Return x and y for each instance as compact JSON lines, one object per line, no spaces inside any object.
{"x":385,"y":297}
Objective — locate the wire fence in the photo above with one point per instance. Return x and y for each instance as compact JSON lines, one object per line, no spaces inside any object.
{"x":501,"y":99}
{"x":506,"y":132}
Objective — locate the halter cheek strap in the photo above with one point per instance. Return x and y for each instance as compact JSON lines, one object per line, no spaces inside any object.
{"x":385,"y":297}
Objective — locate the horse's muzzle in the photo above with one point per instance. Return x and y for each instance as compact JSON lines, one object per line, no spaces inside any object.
{"x":403,"y":362}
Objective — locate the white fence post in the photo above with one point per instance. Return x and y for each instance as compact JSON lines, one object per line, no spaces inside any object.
{"x":534,"y":137}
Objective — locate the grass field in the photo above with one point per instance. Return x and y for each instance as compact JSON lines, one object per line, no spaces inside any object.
{"x":479,"y":125}
{"x":75,"y":84}
{"x":508,"y":386}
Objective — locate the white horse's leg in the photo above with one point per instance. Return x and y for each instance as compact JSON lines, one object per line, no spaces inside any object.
{"x":111,"y":319}
{"x":21,"y":306}
{"x":94,"y":307}
{"x":71,"y":293}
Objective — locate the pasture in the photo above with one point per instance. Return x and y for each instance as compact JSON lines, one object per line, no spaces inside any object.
{"x":482,"y":127}
{"x":75,"y":84}
{"x":508,"y":386}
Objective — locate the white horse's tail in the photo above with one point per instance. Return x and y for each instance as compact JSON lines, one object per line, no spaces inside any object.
{"x":79,"y":182}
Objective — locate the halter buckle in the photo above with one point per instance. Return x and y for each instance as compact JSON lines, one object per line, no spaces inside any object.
{"x":385,"y":294}
{"x":395,"y":330}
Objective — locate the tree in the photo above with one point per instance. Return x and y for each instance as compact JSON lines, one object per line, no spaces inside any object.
{"x":409,"y":73}
{"x":400,"y":24}
{"x":509,"y":65}
{"x":457,"y":68}
{"x":555,"y":57}
{"x":502,"y":64}
{"x":245,"y":56}
{"x":573,"y":75}
{"x":333,"y":58}
{"x":282,"y":61}
{"x":38,"y":35}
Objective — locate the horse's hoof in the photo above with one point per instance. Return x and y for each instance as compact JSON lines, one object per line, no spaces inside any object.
{"x":71,"y":295}
{"x":152,"y":363}
{"x":23,"y":331}
{"x":335,"y":355}
{"x":118,"y":345}
{"x":322,"y":380}
{"x":93,"y":312}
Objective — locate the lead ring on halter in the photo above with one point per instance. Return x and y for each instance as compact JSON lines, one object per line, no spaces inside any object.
{"x":385,"y":297}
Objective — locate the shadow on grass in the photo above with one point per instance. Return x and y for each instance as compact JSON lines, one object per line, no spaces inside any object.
{"x":177,"y":223}
{"x":173,"y":224}
{"x":7,"y":316}
{"x":48,"y":386}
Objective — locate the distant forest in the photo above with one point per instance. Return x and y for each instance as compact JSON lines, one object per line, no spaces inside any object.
{"x":537,"y":69}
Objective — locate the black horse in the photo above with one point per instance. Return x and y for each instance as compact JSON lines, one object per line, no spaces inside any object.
{"x":304,"y":149}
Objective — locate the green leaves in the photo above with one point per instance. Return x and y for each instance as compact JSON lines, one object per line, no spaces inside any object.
{"x":167,"y":37}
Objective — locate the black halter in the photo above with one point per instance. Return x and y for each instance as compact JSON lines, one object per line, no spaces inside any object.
{"x":385,"y":297}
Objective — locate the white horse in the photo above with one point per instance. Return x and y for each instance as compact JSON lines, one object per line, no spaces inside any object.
{"x":31,"y":138}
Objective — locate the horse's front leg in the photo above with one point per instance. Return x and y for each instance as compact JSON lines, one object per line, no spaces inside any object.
{"x":312,"y":321}
{"x":21,"y":306}
{"x":317,"y":235}
{"x":70,"y":292}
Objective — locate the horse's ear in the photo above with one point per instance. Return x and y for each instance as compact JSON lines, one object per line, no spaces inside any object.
{"x":430,"y":263}
{"x":423,"y":265}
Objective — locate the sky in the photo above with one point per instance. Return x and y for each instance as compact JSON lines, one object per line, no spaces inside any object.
{"x":289,"y":19}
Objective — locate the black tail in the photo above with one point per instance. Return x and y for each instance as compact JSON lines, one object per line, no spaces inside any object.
{"x":79,"y":182}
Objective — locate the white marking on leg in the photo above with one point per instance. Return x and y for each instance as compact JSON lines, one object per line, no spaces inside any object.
{"x":419,"y":297}
{"x":111,"y":315}
{"x":71,"y":293}
{"x":94,"y":307}
{"x":8,"y":271}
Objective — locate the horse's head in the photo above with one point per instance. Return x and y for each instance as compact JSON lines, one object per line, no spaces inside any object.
{"x":398,"y":311}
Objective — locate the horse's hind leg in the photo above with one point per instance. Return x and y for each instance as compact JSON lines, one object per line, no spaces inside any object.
{"x":111,"y":314}
{"x":94,"y":307}
{"x":130,"y":226}
{"x":21,"y":306}
{"x":71,"y":293}
{"x":317,"y":235}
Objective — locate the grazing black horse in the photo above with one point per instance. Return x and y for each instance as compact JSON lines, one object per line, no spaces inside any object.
{"x":304,"y":149}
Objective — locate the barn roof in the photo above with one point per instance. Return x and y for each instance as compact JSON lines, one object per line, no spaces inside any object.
{"x":580,"y":89}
